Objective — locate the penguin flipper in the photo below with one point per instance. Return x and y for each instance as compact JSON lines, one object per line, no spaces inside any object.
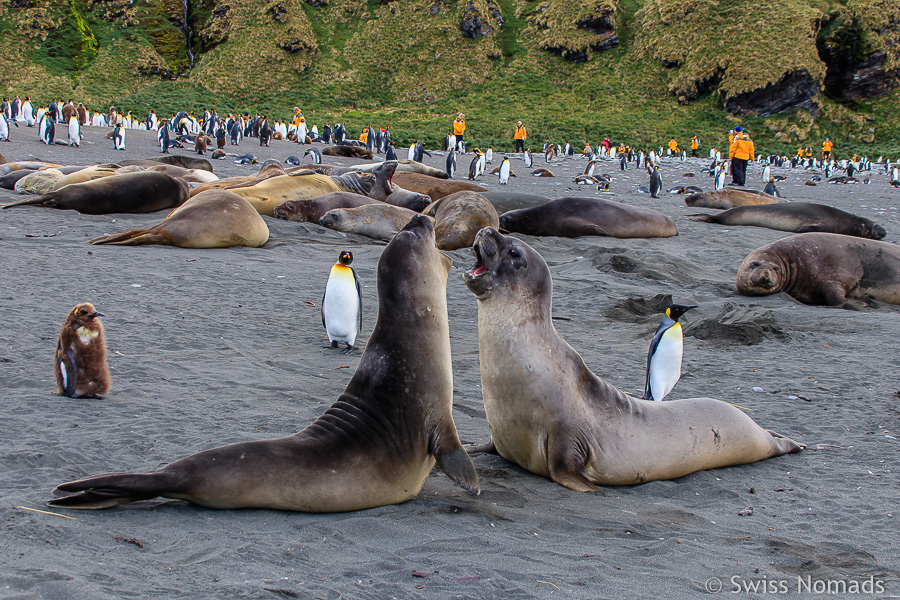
{"x":654,"y":343}
{"x":359,"y":297}
{"x":323,"y":307}
{"x":107,"y":491}
{"x":69,"y":373}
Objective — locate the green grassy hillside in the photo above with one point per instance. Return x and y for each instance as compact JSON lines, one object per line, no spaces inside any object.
{"x":635,"y":71}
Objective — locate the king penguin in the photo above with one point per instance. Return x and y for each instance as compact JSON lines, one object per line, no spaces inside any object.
{"x":451,"y":163}
{"x":162,"y":136}
{"x":766,"y":174}
{"x":504,"y":171}
{"x":528,"y":160}
{"x":81,"y":369}
{"x":315,"y":154}
{"x":390,"y":154}
{"x":74,"y":131}
{"x":342,"y":304}
{"x":4,"y":128}
{"x":664,"y":358}
{"x":655,"y":182}
{"x":119,"y":137}
{"x":489,"y":156}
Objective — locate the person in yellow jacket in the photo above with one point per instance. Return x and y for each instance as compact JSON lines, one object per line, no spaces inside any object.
{"x":364,"y":135}
{"x":673,"y":146}
{"x":520,"y":136}
{"x":459,"y":128}
{"x":826,"y":148}
{"x":298,"y":117}
{"x":800,"y":152}
{"x":695,"y":145}
{"x":740,"y":153}
{"x":808,"y":151}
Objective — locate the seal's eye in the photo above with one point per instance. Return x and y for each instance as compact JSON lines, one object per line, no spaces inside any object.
{"x":776,"y":269}
{"x":514,"y":252}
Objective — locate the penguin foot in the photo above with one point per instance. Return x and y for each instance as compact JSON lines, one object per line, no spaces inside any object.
{"x":347,"y":350}
{"x":331,"y":345}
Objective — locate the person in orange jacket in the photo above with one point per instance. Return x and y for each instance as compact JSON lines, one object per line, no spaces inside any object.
{"x":695,"y":145}
{"x":673,"y":146}
{"x":740,"y":153}
{"x":459,"y":128}
{"x":520,"y":136}
{"x":808,"y":151}
{"x":364,"y":135}
{"x":826,"y":148}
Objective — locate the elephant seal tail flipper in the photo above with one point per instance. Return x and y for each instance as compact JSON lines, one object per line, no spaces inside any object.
{"x":455,"y":463}
{"x":704,"y":218}
{"x":784,"y":445}
{"x":107,"y":491}
{"x":566,"y":465}
{"x":27,"y":201}
{"x":133,"y":237}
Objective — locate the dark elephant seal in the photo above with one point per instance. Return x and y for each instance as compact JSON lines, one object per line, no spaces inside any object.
{"x":348,"y":151}
{"x":375,"y":446}
{"x":799,"y":217}
{"x":8,"y":181}
{"x":575,"y":217}
{"x":407,"y":199}
{"x":459,"y":217}
{"x":310,"y":210}
{"x":507,"y":201}
{"x":728,"y":198}
{"x":823,"y":268}
{"x":408,"y":166}
{"x":186,"y":162}
{"x":433,"y":187}
{"x":549,"y":414}
{"x":378,"y":221}
{"x":213,"y":219}
{"x":143,"y":192}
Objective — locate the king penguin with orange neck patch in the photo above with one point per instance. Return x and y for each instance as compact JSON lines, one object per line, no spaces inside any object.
{"x":342,"y":304}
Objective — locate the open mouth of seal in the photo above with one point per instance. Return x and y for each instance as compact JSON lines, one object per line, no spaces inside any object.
{"x":479,"y":269}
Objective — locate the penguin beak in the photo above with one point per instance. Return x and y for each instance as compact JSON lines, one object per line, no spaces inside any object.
{"x":96,"y":314}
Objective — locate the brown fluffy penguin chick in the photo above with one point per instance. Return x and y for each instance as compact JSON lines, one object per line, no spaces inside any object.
{"x":80,"y":367}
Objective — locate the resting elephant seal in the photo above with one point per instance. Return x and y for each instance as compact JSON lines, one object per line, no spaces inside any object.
{"x":823,"y":268}
{"x":269,"y":169}
{"x":799,"y":217}
{"x":459,"y":217}
{"x":310,"y":210}
{"x":378,"y":221}
{"x":143,"y":192}
{"x":87,"y":174}
{"x":348,"y":151}
{"x":374,"y":446}
{"x":213,"y":219}
{"x":434,"y":187}
{"x":549,"y":414}
{"x":575,"y":217}
{"x":267,"y":194}
{"x":9,"y":181}
{"x":507,"y":201}
{"x":407,"y":166}
{"x":728,"y":198}
{"x":38,"y":182}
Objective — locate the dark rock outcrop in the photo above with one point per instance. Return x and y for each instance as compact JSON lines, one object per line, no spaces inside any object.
{"x":20,"y":3}
{"x":795,"y":90}
{"x":855,"y":61}
{"x":473,"y":25}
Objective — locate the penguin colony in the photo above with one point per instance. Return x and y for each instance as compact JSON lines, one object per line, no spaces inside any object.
{"x":80,"y":359}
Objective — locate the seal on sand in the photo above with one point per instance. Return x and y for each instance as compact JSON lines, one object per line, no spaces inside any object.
{"x":549,"y":414}
{"x":375,"y":446}
{"x":433,"y":187}
{"x":143,"y":192}
{"x":378,"y":221}
{"x":267,"y":194}
{"x":798,"y":217}
{"x":728,"y":198}
{"x":311,"y":210}
{"x":575,"y":217}
{"x":213,"y":219}
{"x":823,"y":268}
{"x":459,"y":217}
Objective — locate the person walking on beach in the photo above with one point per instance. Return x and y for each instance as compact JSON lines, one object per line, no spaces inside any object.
{"x":826,"y":149}
{"x":740,"y":153}
{"x":520,"y":136}
{"x":459,"y":130}
{"x":673,"y":146}
{"x":695,"y":146}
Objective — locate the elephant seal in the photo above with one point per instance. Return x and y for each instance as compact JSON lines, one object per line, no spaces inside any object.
{"x":143,"y":192}
{"x":434,"y":187}
{"x":38,"y":182}
{"x":407,"y":199}
{"x":213,"y":219}
{"x":348,"y":151}
{"x":459,"y":217}
{"x":823,"y":268}
{"x":378,"y":221}
{"x":798,"y":217}
{"x":310,"y":210}
{"x":507,"y":201}
{"x":8,"y":181}
{"x":87,"y":174}
{"x":575,"y":217}
{"x":728,"y":198}
{"x":548,"y":413}
{"x":270,"y":168}
{"x":267,"y":194}
{"x":405,"y":165}
{"x":188,"y":162}
{"x":375,"y":446}
{"x":33,"y":165}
